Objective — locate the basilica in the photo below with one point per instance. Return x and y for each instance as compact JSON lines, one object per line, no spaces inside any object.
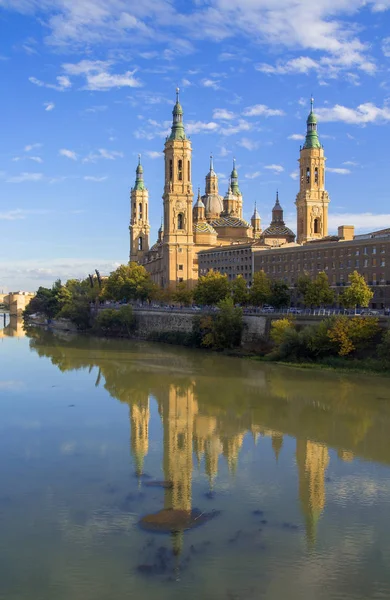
{"x":215,"y":221}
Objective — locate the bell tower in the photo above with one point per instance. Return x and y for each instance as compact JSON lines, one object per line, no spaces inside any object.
{"x":312,"y":199}
{"x":178,"y":198}
{"x":139,"y":221}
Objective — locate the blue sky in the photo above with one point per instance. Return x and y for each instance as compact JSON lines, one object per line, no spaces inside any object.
{"x":86,"y":85}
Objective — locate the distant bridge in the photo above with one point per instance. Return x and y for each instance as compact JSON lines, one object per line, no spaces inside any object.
{"x":16,"y":302}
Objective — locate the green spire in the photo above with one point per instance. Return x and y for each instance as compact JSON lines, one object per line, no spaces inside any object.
{"x":234,"y":179}
{"x":312,"y":140}
{"x":177,"y":132}
{"x":139,"y":179}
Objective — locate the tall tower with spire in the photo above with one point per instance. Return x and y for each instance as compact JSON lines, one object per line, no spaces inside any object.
{"x":212,"y":200}
{"x":312,"y":199}
{"x":178,"y":233}
{"x":236,"y":191}
{"x":139,"y":220}
{"x":256,"y":222}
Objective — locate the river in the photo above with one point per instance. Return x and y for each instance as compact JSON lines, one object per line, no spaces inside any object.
{"x":138,"y":470}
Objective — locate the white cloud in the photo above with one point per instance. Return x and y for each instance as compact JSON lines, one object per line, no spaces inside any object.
{"x":302,"y":64}
{"x":365,"y":221}
{"x":338,"y":171}
{"x":296,"y":136}
{"x":102,"y":153}
{"x":364,"y":113}
{"x":30,"y":147}
{"x":49,"y":106}
{"x":223,"y":114}
{"x":224,"y":151}
{"x":248,"y":144}
{"x":36,"y":159}
{"x":201,"y":127}
{"x":12,"y":215}
{"x":386,"y":46}
{"x":186,"y":83}
{"x":63,"y":83}
{"x":211,"y":83}
{"x":153,"y":154}
{"x":294,"y":175}
{"x":275,"y":168}
{"x":350,"y":163}
{"x":253,"y":175}
{"x":261,"y":110}
{"x":96,"y":109}
{"x":23,"y":177}
{"x":98,"y":77}
{"x":241,"y":125}
{"x":95,"y":179}
{"x":68,"y":154}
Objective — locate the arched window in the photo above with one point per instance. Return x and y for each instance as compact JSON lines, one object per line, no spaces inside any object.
{"x":140,"y":210}
{"x":307,"y":175}
{"x":302,"y":175}
{"x":180,"y":170}
{"x":180,"y":221}
{"x":316,"y":225}
{"x":316,"y":175}
{"x":140,"y":243}
{"x":189,"y":170}
{"x":170,"y":170}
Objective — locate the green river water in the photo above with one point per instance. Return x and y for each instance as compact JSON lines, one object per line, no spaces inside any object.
{"x":137,"y":470}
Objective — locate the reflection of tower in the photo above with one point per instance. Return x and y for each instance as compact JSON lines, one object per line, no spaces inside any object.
{"x":179,"y":411}
{"x":139,"y":418}
{"x":213,"y":450}
{"x":312,"y":461}
{"x":277,"y":443}
{"x":231,"y":449}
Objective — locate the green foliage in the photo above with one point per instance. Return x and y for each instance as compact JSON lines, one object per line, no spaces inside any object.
{"x":45,"y":302}
{"x":211,"y":288}
{"x":350,"y":334}
{"x":303,"y":284}
{"x":114,"y":322}
{"x":260,"y":291}
{"x":240,"y":290}
{"x":130,"y":282}
{"x":78,"y":311}
{"x":383,"y":349}
{"x":280,"y":294}
{"x":358,"y":293}
{"x":318,"y":292}
{"x":220,"y":331}
{"x":182,"y":295}
{"x":278,"y":329}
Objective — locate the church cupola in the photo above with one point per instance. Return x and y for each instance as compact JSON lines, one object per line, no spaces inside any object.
{"x":139,"y":176}
{"x":312,"y":140}
{"x":139,"y":217}
{"x":199,"y":209}
{"x":277,"y":211}
{"x":234,"y":179}
{"x":177,"y":132}
{"x":256,"y":221}
{"x":211,"y":179}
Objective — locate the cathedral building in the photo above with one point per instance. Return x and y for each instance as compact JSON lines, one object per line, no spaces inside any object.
{"x":213,"y":221}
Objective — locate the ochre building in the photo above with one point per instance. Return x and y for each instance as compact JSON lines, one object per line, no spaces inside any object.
{"x":211,"y":221}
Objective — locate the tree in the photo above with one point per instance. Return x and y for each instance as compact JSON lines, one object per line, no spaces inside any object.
{"x":280,"y":294}
{"x":45,"y":302}
{"x":319,"y":292}
{"x":211,"y":288}
{"x":240,"y":290}
{"x":278,"y":329}
{"x":355,"y":333}
{"x":260,"y":291}
{"x":130,"y":282}
{"x":303,"y":284}
{"x":182,"y":295}
{"x":224,"y":330}
{"x":358,"y":293}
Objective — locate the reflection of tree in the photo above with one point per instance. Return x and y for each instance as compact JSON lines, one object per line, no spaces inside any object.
{"x":208,"y":403}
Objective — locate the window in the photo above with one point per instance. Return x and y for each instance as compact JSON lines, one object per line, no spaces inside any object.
{"x":316,"y":175}
{"x":180,"y":267}
{"x":316,"y":225}
{"x":180,"y":170}
{"x":357,"y":252}
{"x":140,"y":210}
{"x":365,"y":250}
{"x":140,"y":243}
{"x":170,"y":170}
{"x":374,"y":249}
{"x":307,"y":175}
{"x":180,"y":221}
{"x":383,"y":262}
{"x":365,"y":262}
{"x":357,"y":263}
{"x":374,"y":262}
{"x":189,"y":170}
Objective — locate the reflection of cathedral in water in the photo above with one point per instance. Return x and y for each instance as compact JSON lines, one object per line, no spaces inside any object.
{"x":13,"y":327}
{"x":186,"y":431}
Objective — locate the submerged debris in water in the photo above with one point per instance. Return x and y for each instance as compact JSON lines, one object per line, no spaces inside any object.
{"x":169,"y":520}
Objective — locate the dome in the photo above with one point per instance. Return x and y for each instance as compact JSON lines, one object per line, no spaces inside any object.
{"x":213,"y":204}
{"x":278,"y":230}
{"x":203,"y":227}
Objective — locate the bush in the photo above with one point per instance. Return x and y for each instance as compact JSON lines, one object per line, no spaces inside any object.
{"x":115,"y":322}
{"x":79,"y":312}
{"x":383,"y":349}
{"x":350,"y":334}
{"x":278,"y":329}
{"x":220,"y":331}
